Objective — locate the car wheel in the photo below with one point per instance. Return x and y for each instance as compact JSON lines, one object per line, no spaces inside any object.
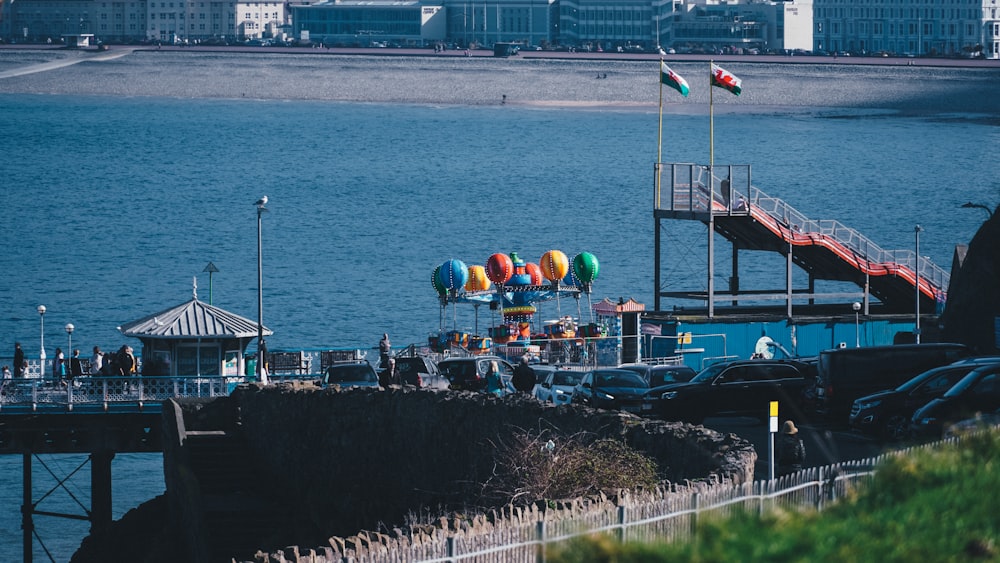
{"x":895,"y":428}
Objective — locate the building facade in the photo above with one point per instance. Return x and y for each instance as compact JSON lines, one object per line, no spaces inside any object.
{"x":910,"y":27}
{"x":916,"y":27}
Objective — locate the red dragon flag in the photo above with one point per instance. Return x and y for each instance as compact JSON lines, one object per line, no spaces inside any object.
{"x":672,"y":79}
{"x":725,"y":79}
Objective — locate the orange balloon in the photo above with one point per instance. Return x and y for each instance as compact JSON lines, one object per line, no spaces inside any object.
{"x":535,"y":272}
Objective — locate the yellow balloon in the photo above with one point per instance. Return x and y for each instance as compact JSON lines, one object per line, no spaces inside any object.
{"x":554,"y":265}
{"x":477,"y":279}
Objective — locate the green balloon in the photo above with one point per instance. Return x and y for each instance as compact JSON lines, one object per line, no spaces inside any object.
{"x":438,"y":286}
{"x":586,"y":267}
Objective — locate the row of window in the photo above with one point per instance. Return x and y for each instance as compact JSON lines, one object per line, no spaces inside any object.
{"x":925,"y":29}
{"x":884,"y":13}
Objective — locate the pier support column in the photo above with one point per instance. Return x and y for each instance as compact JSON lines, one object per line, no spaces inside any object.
{"x":27,"y":510}
{"x":100,"y":490}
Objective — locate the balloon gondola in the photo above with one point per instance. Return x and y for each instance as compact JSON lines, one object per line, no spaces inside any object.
{"x":514,"y":288}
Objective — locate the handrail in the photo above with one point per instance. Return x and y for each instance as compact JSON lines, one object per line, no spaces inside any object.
{"x":692,"y":186}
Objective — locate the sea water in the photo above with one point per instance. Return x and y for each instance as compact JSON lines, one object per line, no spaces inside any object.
{"x":124,"y":179}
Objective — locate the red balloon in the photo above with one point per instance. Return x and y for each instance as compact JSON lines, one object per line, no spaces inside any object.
{"x":499,"y":268}
{"x":535,"y":272}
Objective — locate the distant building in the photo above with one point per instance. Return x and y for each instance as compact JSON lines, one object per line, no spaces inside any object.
{"x":908,"y":27}
{"x":367,"y":23}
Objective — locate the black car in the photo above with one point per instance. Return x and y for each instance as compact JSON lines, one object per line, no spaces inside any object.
{"x":977,"y":392}
{"x":617,"y":389}
{"x":360,"y":374}
{"x":744,"y":387}
{"x":657,"y":375}
{"x":469,"y":374}
{"x":887,"y":413}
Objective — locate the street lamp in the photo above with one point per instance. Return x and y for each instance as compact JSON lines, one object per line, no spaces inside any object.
{"x":916,"y":284}
{"x":970,"y":205}
{"x":69,"y":351}
{"x":260,"y":293}
{"x":857,"y":331}
{"x":41,"y":355}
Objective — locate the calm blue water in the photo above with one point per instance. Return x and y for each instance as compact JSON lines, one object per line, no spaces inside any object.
{"x":122,"y":180}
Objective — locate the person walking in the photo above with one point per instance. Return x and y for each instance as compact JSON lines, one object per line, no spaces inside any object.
{"x":96,"y":361}
{"x":494,"y":383}
{"x":384,"y":350}
{"x":18,"y":360}
{"x":524,"y":377}
{"x":75,"y":365}
{"x":791,"y":450}
{"x":59,"y":365}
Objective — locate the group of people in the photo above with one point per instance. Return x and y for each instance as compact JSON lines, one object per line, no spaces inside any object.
{"x":122,"y":363}
{"x":523,"y":378}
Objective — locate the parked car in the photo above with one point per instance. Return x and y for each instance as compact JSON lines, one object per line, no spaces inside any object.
{"x":887,"y":414}
{"x":743,"y":387}
{"x":661,"y":374}
{"x":558,"y":385}
{"x":845,"y":374}
{"x":420,"y":371}
{"x":469,"y":374}
{"x":355,"y":374}
{"x":611,"y":388}
{"x":977,"y":392}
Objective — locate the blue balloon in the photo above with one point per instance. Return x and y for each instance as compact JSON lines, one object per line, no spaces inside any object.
{"x":570,"y":279}
{"x":453,"y":274}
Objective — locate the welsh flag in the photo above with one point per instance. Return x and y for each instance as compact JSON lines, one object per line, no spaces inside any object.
{"x":672,"y":79}
{"x":724,"y":79}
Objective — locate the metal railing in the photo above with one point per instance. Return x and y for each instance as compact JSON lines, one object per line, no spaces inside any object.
{"x":687,"y":187}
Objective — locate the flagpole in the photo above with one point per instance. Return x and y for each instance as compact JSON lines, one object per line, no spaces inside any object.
{"x":659,"y":135}
{"x":711,"y":194}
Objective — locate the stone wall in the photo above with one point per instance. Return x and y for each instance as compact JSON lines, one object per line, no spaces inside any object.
{"x":344,"y":461}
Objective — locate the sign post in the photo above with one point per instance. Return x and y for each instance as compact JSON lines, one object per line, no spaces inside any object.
{"x":772,"y":430}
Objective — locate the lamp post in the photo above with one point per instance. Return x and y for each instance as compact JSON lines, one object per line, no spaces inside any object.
{"x":260,"y":293}
{"x":69,"y":351}
{"x":211,"y":268}
{"x":41,"y":355}
{"x":857,"y":324}
{"x":916,"y":284}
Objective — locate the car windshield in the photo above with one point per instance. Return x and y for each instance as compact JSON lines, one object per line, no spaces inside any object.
{"x":672,"y":375}
{"x":352,"y":374}
{"x":918,"y":380}
{"x":567,"y":377}
{"x":618,"y":378}
{"x":708,"y":374}
{"x":969,"y":380}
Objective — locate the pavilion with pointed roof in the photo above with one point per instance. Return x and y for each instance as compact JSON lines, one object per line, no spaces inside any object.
{"x":193,"y":338}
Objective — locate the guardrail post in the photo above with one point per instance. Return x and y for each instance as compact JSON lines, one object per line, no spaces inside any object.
{"x":451,"y":548}
{"x":694,"y":514}
{"x":540,"y":536}
{"x":621,"y":524}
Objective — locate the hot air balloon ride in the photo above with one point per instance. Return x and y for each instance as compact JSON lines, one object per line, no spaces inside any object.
{"x":514,"y":288}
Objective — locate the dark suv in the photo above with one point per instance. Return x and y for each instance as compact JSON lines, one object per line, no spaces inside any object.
{"x":977,"y":392}
{"x":469,"y":374}
{"x":744,"y":387}
{"x":887,"y":414}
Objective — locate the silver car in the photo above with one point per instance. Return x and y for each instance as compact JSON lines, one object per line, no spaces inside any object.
{"x":557,"y":388}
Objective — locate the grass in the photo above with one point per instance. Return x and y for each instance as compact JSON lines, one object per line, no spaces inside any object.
{"x":938,"y":505}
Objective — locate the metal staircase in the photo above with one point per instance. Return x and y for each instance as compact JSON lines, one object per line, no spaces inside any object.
{"x":825,"y":249}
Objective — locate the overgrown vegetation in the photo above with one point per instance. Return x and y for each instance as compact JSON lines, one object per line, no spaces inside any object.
{"x":535,"y":467}
{"x":930,"y":506}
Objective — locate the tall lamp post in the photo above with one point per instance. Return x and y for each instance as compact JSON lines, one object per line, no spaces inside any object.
{"x":41,"y":355}
{"x":69,"y":351}
{"x":916,"y":277}
{"x":260,"y":292}
{"x":857,"y":324}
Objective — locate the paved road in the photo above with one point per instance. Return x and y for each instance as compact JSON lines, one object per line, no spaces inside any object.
{"x":594,"y":56}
